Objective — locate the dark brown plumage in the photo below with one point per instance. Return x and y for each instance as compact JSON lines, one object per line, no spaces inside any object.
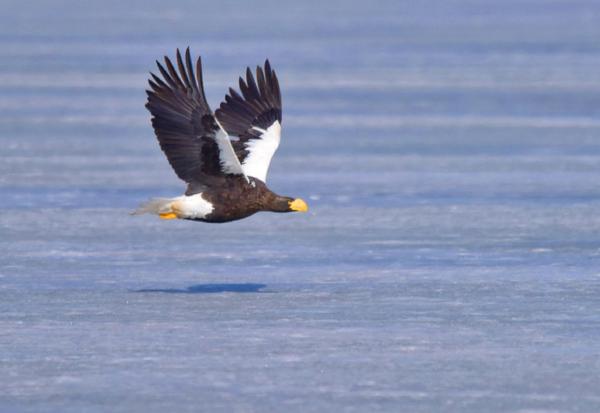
{"x":226,"y":179}
{"x":255,"y":198}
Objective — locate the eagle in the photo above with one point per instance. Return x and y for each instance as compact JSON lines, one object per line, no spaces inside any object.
{"x":223,"y":156}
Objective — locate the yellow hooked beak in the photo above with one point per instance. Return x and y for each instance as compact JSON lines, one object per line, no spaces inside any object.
{"x":298,"y":205}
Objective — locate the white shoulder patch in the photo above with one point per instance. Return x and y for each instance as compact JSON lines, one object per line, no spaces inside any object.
{"x":230,"y":164}
{"x":260,"y":151}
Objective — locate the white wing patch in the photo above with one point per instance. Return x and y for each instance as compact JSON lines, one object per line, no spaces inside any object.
{"x":230,"y":164}
{"x":260,"y":151}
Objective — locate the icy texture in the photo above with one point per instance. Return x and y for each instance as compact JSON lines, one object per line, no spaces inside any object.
{"x":450,"y":154}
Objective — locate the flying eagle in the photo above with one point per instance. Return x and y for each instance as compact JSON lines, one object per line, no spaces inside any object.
{"x":226,"y":177}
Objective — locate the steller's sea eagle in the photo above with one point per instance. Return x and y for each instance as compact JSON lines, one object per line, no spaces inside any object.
{"x":225,"y":177}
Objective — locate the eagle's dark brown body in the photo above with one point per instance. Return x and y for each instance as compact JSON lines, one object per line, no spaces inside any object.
{"x":237,"y":198}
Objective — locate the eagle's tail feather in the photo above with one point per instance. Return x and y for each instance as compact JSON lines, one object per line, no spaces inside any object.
{"x":162,"y":207}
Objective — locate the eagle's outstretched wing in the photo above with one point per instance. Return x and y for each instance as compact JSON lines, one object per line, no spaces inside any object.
{"x":197,"y":147}
{"x":255,"y":117}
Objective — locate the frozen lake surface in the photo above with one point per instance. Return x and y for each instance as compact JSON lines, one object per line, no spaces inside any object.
{"x":450,"y":154}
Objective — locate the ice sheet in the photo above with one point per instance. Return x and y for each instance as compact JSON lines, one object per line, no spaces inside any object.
{"x":450,"y":260}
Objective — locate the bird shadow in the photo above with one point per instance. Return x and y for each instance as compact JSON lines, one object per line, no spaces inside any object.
{"x":208,"y":289}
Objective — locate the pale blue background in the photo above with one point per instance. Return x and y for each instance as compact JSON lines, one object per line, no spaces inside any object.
{"x":450,"y":153}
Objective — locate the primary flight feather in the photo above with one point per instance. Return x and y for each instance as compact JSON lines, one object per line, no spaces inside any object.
{"x":226,"y":178}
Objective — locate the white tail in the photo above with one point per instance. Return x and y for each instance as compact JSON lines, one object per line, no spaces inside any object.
{"x":156,"y":206}
{"x":185,"y":207}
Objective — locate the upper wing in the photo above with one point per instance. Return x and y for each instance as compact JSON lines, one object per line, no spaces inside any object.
{"x":255,"y":117}
{"x":195,"y":144}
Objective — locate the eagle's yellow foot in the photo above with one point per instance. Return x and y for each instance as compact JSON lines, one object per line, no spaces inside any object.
{"x":168,"y":215}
